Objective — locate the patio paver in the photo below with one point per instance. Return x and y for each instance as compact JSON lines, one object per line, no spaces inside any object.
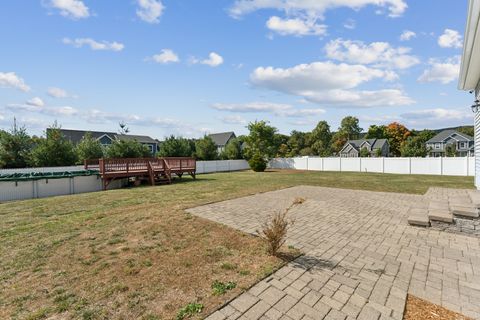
{"x":361,"y":257}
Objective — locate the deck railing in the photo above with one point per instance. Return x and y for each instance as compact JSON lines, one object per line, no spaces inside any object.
{"x":136,"y":165}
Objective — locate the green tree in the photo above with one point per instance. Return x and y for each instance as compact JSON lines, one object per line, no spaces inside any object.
{"x":298,"y":141}
{"x":261,"y":140}
{"x":376,"y":132}
{"x":15,"y":147}
{"x":338,"y":141}
{"x":364,"y":153}
{"x":233,"y":149}
{"x":350,"y":126}
{"x":206,"y":149}
{"x":397,"y":135}
{"x":88,"y":148}
{"x":127,"y":148}
{"x":176,"y":147}
{"x":469,"y":130}
{"x":414,"y":147}
{"x":53,"y":150}
{"x":321,"y":139}
{"x":451,"y":150}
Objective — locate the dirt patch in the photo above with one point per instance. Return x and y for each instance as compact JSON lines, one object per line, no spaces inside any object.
{"x":417,"y":308}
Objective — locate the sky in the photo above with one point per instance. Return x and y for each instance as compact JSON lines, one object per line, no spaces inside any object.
{"x":188,"y":68}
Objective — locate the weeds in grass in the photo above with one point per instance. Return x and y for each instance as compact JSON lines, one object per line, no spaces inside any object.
{"x":244,"y":272}
{"x":189,"y":310}
{"x":220,"y":288}
{"x":228,"y":266}
{"x":275,"y":228}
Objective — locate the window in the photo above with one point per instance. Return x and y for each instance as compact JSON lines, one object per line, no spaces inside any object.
{"x":438,"y":145}
{"x":463,"y":145}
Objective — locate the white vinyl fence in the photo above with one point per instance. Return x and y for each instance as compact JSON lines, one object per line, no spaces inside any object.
{"x":461,"y":166}
{"x":30,"y":189}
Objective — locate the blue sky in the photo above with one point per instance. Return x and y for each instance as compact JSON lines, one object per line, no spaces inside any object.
{"x":188,"y":67}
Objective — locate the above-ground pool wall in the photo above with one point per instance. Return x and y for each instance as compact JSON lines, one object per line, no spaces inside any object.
{"x":31,"y":189}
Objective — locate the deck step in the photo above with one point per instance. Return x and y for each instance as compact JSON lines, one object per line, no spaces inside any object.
{"x":438,"y":205}
{"x":464,"y":211}
{"x":440,"y":215}
{"x":418,"y":217}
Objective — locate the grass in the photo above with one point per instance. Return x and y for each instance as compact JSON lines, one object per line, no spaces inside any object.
{"x":135,"y":253}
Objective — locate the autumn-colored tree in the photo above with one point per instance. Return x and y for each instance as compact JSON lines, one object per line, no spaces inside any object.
{"x":397,"y":135}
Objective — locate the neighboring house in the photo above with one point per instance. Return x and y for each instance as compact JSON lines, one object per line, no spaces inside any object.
{"x":463,"y":144}
{"x":376,"y":148}
{"x":107,"y":138}
{"x":221,"y":139}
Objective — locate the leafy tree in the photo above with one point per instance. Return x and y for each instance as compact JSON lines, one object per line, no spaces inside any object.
{"x":364,"y":153}
{"x":257,"y":162}
{"x":176,"y":147}
{"x":414,"y":147}
{"x":297,"y":142}
{"x":378,"y":152}
{"x":15,"y":147}
{"x":397,"y":135}
{"x":233,"y":150}
{"x":350,"y":126}
{"x":321,"y":139}
{"x":261,"y":140}
{"x":283,"y":151}
{"x":376,"y":132}
{"x":127,"y":148}
{"x":467,"y":130}
{"x":53,"y":150}
{"x":279,"y":140}
{"x":88,"y":148}
{"x":338,"y":141}
{"x":451,"y":150}
{"x":206,"y":149}
{"x":307,"y":151}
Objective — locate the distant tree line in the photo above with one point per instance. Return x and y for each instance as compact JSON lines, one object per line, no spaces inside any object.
{"x":18,"y":149}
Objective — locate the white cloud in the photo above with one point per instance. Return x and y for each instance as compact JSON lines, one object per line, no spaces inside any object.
{"x":150,"y":10}
{"x":166,"y":56}
{"x":314,"y":8}
{"x":94,"y":45}
{"x":37,"y":102}
{"x":296,"y":26}
{"x":350,"y":24}
{"x":214,"y":60}
{"x":74,"y":9}
{"x":331,"y":84}
{"x":52,"y":111}
{"x":233,"y":119}
{"x":57,"y":92}
{"x":450,"y":39}
{"x":380,"y":54}
{"x":441,"y":71}
{"x":438,"y":114}
{"x":407,"y":35}
{"x":278,"y":109}
{"x":11,"y":80}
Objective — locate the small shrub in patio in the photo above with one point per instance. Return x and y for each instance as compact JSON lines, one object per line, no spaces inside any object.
{"x":275,"y":228}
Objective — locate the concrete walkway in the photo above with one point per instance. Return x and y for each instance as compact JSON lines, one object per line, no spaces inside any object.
{"x":361,"y":257}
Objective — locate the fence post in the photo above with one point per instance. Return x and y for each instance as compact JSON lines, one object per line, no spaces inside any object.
{"x":441,"y":165}
{"x":307,"y":162}
{"x":323,"y":168}
{"x":340,"y":158}
{"x":410,"y":165}
{"x":360,"y":164}
{"x":466,"y":158}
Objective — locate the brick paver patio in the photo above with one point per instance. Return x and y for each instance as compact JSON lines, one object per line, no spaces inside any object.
{"x":361,"y":257}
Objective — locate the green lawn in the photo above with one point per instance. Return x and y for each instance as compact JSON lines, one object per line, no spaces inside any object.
{"x":134,"y":253}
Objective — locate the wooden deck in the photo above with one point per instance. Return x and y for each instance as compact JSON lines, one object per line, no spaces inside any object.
{"x":154,"y":169}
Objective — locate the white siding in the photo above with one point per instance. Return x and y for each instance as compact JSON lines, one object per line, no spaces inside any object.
{"x":477,"y":149}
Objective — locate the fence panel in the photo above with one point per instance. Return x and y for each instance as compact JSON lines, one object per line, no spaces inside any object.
{"x":350,"y":164}
{"x":426,"y":166}
{"x":331,"y":164}
{"x":315,"y":164}
{"x":397,"y":165}
{"x":372,"y":165}
{"x":454,"y":166}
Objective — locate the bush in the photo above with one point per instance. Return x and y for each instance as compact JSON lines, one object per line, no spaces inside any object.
{"x":206,"y":149}
{"x":127,"y":149}
{"x":257,"y":163}
{"x":54,"y":150}
{"x":88,"y":148}
{"x":275,"y":228}
{"x":176,"y":147}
